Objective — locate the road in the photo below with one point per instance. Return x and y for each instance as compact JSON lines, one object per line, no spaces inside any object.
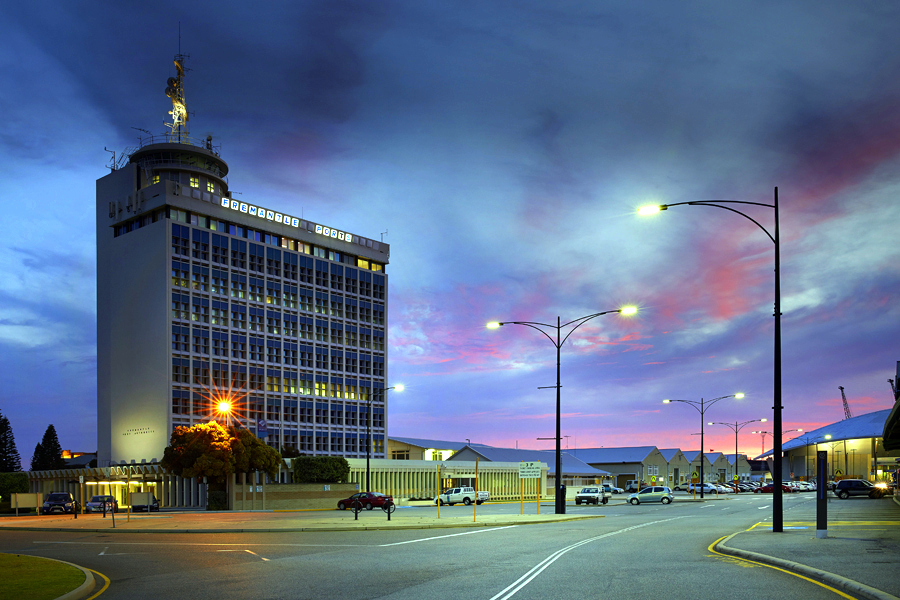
{"x":633,"y":552}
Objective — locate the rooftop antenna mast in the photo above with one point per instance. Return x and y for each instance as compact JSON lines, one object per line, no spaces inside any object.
{"x":178,"y":130}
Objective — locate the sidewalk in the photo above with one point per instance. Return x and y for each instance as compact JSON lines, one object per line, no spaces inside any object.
{"x":860,"y":555}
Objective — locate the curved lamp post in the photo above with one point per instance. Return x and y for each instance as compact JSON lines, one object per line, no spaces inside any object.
{"x":778,"y":499}
{"x":383,"y":393}
{"x":560,"y":499}
{"x":701,"y":407}
{"x":763,"y":435}
{"x":736,"y":427}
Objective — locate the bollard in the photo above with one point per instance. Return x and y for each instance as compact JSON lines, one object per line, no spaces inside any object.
{"x":388,"y":507}
{"x":356,"y":507}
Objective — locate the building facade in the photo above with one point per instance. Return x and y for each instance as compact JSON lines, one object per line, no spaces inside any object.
{"x":203,"y":298}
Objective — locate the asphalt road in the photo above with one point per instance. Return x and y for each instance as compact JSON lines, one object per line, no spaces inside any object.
{"x":641,"y":551}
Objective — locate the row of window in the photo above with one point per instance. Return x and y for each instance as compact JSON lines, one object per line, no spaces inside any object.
{"x":333,"y":443}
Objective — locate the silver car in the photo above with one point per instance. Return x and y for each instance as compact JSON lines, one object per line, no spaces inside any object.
{"x":652,"y":494}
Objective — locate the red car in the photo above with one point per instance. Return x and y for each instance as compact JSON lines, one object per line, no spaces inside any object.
{"x":770,"y":489}
{"x":368,"y":500}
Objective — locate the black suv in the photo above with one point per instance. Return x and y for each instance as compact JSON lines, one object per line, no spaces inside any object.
{"x":857,"y":487}
{"x":59,"y":501}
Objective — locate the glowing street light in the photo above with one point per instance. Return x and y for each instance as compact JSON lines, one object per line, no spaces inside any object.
{"x":775,"y":236}
{"x":560,"y":498}
{"x":701,"y":407}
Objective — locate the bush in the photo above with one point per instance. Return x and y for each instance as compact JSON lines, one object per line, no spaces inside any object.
{"x":216,"y":500}
{"x":321,"y":469}
{"x":12,"y":483}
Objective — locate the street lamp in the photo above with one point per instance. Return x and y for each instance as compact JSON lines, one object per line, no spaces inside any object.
{"x":775,"y":236}
{"x":701,"y":407}
{"x":737,"y":427}
{"x":558,"y":342}
{"x":763,"y":435}
{"x":383,"y":392}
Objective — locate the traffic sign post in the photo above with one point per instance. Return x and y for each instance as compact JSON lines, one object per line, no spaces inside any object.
{"x":529,"y":470}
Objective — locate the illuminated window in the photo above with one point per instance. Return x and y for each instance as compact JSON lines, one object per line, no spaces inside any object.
{"x":377,"y":266}
{"x":362,"y":263}
{"x":195,"y":182}
{"x":211,"y":187}
{"x":155,"y":179}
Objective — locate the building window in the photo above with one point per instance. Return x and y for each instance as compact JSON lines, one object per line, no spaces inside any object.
{"x":155,"y":179}
{"x":195,"y":182}
{"x":211,"y":187}
{"x":400,"y":454}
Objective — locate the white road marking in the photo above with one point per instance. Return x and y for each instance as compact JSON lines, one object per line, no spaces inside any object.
{"x":525,"y":579}
{"x":439,"y":537}
{"x":245,"y":550}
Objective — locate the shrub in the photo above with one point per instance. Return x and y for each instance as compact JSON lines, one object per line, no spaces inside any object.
{"x":321,"y":469}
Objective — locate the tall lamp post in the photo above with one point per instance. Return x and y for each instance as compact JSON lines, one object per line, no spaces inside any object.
{"x":736,"y":427}
{"x":763,"y":435}
{"x":775,"y":236}
{"x":560,"y":498}
{"x":383,"y":392}
{"x":701,"y":407}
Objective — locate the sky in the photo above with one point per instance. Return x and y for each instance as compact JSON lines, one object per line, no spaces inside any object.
{"x":501,"y":149}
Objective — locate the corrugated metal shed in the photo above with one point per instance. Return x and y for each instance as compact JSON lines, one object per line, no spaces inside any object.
{"x":634,"y":454}
{"x":870,"y":425}
{"x":570,"y":464}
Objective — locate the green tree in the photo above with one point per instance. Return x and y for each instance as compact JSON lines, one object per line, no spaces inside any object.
{"x":10,"y":461}
{"x":321,"y":469}
{"x":11,"y":483}
{"x":48,"y":453}
{"x":212,"y":451}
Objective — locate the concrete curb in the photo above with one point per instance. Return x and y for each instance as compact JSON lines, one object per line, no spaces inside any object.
{"x":81,"y":591}
{"x":843,"y":583}
{"x":383,"y":526}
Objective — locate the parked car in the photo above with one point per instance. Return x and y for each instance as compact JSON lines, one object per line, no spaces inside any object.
{"x":633,"y":485}
{"x":594,"y":494}
{"x":59,"y":501}
{"x":368,"y":500}
{"x":465,"y":495}
{"x":769,"y":488}
{"x":857,"y":487}
{"x":706,"y":488}
{"x":98,"y":502}
{"x":144,"y":501}
{"x":652,"y":494}
{"x":614,"y":489}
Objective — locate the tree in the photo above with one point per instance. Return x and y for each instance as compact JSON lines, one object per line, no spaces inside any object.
{"x":10,"y":461}
{"x":215,"y":452}
{"x":48,"y":453}
{"x":321,"y":469}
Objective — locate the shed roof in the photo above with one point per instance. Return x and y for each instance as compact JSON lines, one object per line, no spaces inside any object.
{"x":570,"y":464}
{"x":870,"y":425}
{"x":631,"y":454}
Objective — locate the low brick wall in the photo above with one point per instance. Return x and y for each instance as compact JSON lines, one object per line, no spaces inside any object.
{"x":289,"y":496}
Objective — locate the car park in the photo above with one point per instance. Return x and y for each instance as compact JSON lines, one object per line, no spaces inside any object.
{"x":652,"y":494}
{"x":366,"y":500}
{"x":59,"y":502}
{"x":101,"y":504}
{"x":857,"y":487}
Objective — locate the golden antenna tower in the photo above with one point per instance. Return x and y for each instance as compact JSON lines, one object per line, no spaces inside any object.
{"x":178,"y":131}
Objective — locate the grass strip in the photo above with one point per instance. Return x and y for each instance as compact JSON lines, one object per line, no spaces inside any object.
{"x":36,"y":578}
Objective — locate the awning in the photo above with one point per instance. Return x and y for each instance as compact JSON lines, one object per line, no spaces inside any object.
{"x":891,"y":436}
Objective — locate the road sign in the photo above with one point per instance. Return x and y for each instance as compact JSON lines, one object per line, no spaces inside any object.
{"x":735,"y":478}
{"x":529,"y":470}
{"x":838,"y":472}
{"x":653,"y":479}
{"x":695,"y":474}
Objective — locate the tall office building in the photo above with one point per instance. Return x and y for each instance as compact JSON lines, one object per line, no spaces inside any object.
{"x":201,"y":296}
